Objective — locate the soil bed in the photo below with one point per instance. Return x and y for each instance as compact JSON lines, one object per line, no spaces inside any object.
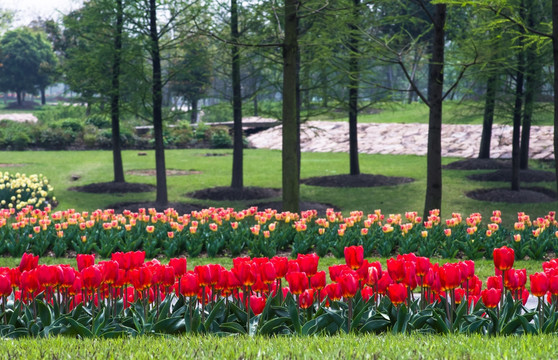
{"x":181,"y":208}
{"x":231,"y":194}
{"x":506,"y":175}
{"x":114,"y":188}
{"x":525,"y":195}
{"x":478,"y":164}
{"x":362,"y":180}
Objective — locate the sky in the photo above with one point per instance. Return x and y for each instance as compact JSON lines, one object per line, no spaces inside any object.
{"x":28,"y":10}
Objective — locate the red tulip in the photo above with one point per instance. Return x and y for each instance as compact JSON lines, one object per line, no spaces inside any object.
{"x":189,"y":284}
{"x":397,"y":293}
{"x":503,"y":258}
{"x":91,"y":277}
{"x":367,"y":293}
{"x":494,"y":282}
{"x":47,"y":275}
{"x":553,"y":285}
{"x":246,"y":273}
{"x":204,"y":274}
{"x":384,"y":282}
{"x":410,"y":279}
{"x":334,"y":291}
{"x":257,"y":304}
{"x":137,"y":259}
{"x":69,"y":276}
{"x":450,"y":276}
{"x":354,"y":256}
{"x":215,"y":271}
{"x":180,"y":266}
{"x":124,"y":260}
{"x":268,"y":273}
{"x":459,"y":294}
{"x":281,"y":266}
{"x":467,"y":268}
{"x":423,"y":264}
{"x":349,"y":284}
{"x":5,"y":285}
{"x":293,"y":266}
{"x":396,"y":269}
{"x":141,"y":278}
{"x":306,"y":299}
{"x":372,"y":277}
{"x":298,"y":282}
{"x":539,"y":284}
{"x":109,"y":270}
{"x":28,"y":262}
{"x":491,"y":297}
{"x":308,"y":263}
{"x":318,"y":281}
{"x":511,"y":279}
{"x":336,"y":270}
{"x":84,"y":260}
{"x":167,"y":276}
{"x":29,"y":281}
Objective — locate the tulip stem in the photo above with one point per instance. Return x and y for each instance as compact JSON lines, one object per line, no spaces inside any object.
{"x":540,"y":309}
{"x":350,"y":315}
{"x":203,"y":304}
{"x":503,"y":288}
{"x":248,"y":311}
{"x":4,"y":315}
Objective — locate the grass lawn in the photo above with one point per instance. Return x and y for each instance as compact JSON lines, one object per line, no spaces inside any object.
{"x":316,"y":347}
{"x":453,"y":113}
{"x":263,"y":168}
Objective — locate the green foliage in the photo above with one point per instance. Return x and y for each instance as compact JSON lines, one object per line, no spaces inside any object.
{"x":218,"y":112}
{"x":220,"y":138}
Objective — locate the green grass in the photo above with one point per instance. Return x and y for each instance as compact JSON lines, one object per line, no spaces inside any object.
{"x":263,"y":168}
{"x":317,"y":347}
{"x":453,"y":113}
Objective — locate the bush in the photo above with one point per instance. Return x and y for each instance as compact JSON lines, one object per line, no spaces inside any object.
{"x":52,"y":114}
{"x":18,"y":191}
{"x":75,"y":125}
{"x":55,"y":138}
{"x":218,"y":113}
{"x":221,"y":139}
{"x":99,"y":121}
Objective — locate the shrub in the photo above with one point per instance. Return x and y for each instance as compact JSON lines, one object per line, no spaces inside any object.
{"x":218,"y":113}
{"x":52,"y":114}
{"x":55,"y":138}
{"x":99,"y":121}
{"x":220,"y":138}
{"x":19,"y":190}
{"x":75,"y":125}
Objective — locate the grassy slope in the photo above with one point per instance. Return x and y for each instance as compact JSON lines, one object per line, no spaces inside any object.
{"x":263,"y":168}
{"x":454,"y":113}
{"x":318,"y":347}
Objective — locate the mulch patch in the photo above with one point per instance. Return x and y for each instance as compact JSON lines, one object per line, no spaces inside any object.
{"x":114,"y":188}
{"x":170,"y":172}
{"x":506,"y":175}
{"x":362,"y":180}
{"x":232,"y":194}
{"x":478,"y":164}
{"x":181,"y":208}
{"x":525,"y":195}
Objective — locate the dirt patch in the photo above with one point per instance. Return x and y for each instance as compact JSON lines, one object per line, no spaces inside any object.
{"x":506,"y":175}
{"x":170,"y":172}
{"x":214,"y":154}
{"x":231,"y":194}
{"x":181,"y":208}
{"x":525,"y":195}
{"x":304,"y":206}
{"x":11,"y":165}
{"x":362,"y":180}
{"x":478,"y":164}
{"x":114,"y":188}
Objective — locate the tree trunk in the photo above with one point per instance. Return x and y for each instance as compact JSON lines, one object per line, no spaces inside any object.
{"x":115,"y":97}
{"x":433,"y":198}
{"x":43,"y":96}
{"x":18,"y":94}
{"x":162,"y":196}
{"x":531,"y":86}
{"x":354,"y":76}
{"x":555,"y":61}
{"x":255,"y":102}
{"x":488,"y":120}
{"x":291,"y":190}
{"x":237,"y":167}
{"x":194,"y":111}
{"x":517,"y":108}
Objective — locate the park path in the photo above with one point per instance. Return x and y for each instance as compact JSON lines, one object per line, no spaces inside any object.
{"x":406,"y":139}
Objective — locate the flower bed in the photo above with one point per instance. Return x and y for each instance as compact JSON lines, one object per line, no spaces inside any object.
{"x":129,"y":296}
{"x":218,"y":231}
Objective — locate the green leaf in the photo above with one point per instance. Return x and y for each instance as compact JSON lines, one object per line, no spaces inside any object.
{"x":217,"y":309}
{"x":171,"y":325}
{"x":269,"y":327}
{"x":44,"y":313}
{"x":233,"y":327}
{"x":79,"y":329}
{"x":403,"y":317}
{"x":292,"y":306}
{"x":375,"y":325}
